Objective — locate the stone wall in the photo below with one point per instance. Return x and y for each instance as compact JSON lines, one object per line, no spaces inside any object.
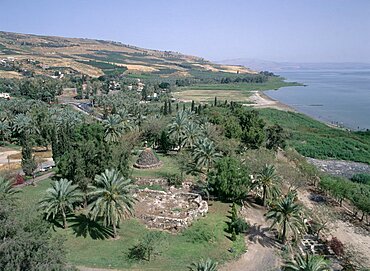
{"x":171,"y":211}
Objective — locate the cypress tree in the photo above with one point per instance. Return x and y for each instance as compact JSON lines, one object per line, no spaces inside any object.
{"x":199,"y":109}
{"x":28,"y":161}
{"x":192,"y":105}
{"x":183,"y":107}
{"x":169,"y":108}
{"x":215,"y":103}
{"x":165,"y":110}
{"x":177,"y":107}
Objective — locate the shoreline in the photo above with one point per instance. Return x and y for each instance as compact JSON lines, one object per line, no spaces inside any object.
{"x":260,"y":99}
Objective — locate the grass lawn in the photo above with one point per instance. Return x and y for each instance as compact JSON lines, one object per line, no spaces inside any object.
{"x":169,"y":166}
{"x":315,"y":139}
{"x":177,"y":252}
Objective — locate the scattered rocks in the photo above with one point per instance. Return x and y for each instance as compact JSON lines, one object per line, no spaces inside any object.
{"x":339,"y":167}
{"x":170,"y":210}
{"x":147,"y":159}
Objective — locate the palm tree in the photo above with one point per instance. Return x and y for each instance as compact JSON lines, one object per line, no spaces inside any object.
{"x":286,"y":214}
{"x":7,"y":191}
{"x":24,"y":126}
{"x":267,"y":180}
{"x":205,"y":154}
{"x":204,"y":265}
{"x":307,"y":263}
{"x":111,"y":198}
{"x":191,"y":134}
{"x":60,"y":199}
{"x":5,"y":130}
{"x":113,"y":128}
{"x":177,"y":128}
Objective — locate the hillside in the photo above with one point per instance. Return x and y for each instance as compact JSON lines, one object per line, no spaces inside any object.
{"x":25,"y":54}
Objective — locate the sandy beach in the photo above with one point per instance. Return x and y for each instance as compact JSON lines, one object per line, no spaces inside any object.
{"x":260,"y":100}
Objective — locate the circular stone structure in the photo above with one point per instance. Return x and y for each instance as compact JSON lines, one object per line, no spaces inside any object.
{"x":147,"y":159}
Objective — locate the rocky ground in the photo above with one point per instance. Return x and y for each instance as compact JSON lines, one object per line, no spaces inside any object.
{"x":339,"y":167}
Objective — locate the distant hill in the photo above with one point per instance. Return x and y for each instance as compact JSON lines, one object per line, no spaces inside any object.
{"x":262,"y":65}
{"x":25,"y":54}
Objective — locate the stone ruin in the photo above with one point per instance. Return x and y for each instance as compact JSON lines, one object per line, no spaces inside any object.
{"x":171,"y":210}
{"x":147,"y":159}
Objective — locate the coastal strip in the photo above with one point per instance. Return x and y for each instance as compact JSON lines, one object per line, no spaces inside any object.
{"x":260,"y":100}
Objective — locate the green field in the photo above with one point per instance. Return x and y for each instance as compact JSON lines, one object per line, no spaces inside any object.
{"x":315,"y":139}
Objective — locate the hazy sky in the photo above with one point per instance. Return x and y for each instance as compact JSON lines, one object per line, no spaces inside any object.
{"x":280,"y":30}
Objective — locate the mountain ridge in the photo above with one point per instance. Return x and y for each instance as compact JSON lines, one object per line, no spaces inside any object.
{"x":42,"y":55}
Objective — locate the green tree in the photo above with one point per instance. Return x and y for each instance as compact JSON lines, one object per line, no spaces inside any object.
{"x":60,"y":199}
{"x":276,"y":137}
{"x":7,"y":191}
{"x":28,"y":163}
{"x":229,"y":180}
{"x":27,"y":243}
{"x":286,"y":215}
{"x":111,"y":199}
{"x":164,"y":142}
{"x":113,"y":128}
{"x":5,"y":130}
{"x":148,"y":246}
{"x":267,"y":180}
{"x":192,"y":134}
{"x":177,"y":128}
{"x":307,"y":262}
{"x":205,"y":154}
{"x":204,"y":265}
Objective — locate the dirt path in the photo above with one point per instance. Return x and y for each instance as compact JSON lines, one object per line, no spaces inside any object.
{"x":262,"y":251}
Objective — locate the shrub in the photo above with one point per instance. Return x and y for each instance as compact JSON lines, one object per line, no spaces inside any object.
{"x":337,"y":246}
{"x":19,"y":180}
{"x":199,"y":233}
{"x":174,"y":180}
{"x":147,"y":247}
{"x":239,"y":225}
{"x":363,"y":178}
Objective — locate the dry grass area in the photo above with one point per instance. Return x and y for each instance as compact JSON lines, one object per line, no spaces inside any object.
{"x":37,"y":154}
{"x":66,"y":52}
{"x":10,"y":74}
{"x":9,"y":167}
{"x":209,"y":95}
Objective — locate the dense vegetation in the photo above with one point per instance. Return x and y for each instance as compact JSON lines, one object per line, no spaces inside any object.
{"x":315,"y":139}
{"x":229,"y":152}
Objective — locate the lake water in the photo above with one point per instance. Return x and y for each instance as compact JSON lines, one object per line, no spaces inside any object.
{"x":341,"y":97}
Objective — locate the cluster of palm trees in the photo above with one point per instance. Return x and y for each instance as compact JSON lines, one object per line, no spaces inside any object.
{"x":110,"y":199}
{"x":190,"y":133}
